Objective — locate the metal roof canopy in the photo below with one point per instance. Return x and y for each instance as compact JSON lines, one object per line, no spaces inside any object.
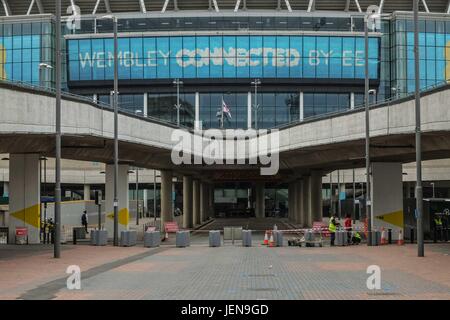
{"x":22,"y":7}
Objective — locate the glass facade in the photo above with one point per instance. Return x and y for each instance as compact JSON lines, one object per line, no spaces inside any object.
{"x":322,"y":103}
{"x":235,"y":22}
{"x":23,"y":47}
{"x":223,"y":56}
{"x":130,"y":103}
{"x":434,"y":53}
{"x":163,"y":106}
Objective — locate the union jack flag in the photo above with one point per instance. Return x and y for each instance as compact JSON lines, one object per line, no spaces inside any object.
{"x":225,"y":109}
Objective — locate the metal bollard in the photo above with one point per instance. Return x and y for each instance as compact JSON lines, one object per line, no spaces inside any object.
{"x":389,"y":236}
{"x":412,"y":235}
{"x":74,"y":236}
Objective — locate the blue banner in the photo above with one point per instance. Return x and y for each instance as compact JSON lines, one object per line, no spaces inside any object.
{"x":191,"y":57}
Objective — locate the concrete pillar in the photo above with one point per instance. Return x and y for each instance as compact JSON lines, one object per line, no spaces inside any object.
{"x":291,"y":201}
{"x":260,"y":201}
{"x":87,"y":192}
{"x":122,"y":196}
{"x":298,"y":202}
{"x":303,"y":203}
{"x":306,"y":190}
{"x":316,"y":196}
{"x":203,"y":201}
{"x":24,"y":195}
{"x":387,"y":196}
{"x":196,"y":202}
{"x":166,"y":197}
{"x":5,"y":189}
{"x":187,"y":202}
{"x":211,"y":200}
{"x":145,"y":198}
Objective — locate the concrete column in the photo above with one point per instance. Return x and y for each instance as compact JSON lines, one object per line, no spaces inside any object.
{"x":303,"y":203}
{"x":196,"y":202}
{"x":211,"y":200}
{"x":260,"y":203}
{"x":187,"y":202}
{"x":306,"y":207}
{"x":122,"y":196}
{"x":291,"y":201}
{"x":145,"y":198}
{"x":6,"y":189}
{"x":387,"y":196}
{"x":316,"y":196}
{"x":298,"y":202}
{"x":203,"y":201}
{"x":166,"y":197}
{"x":87,"y":192}
{"x":24,"y":195}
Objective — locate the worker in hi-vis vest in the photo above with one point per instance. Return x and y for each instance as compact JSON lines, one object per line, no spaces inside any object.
{"x":332,"y":228}
{"x":438,"y":227}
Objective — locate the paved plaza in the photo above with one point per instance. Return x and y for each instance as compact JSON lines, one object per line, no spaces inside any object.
{"x":228,"y":272}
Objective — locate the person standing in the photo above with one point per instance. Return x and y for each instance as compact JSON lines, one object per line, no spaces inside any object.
{"x":438,"y":227}
{"x":332,"y":228}
{"x":84,"y":221}
{"x":348,"y":227}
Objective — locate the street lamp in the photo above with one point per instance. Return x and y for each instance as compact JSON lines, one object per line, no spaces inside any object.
{"x":419,"y":191}
{"x":43,"y":66}
{"x":177,"y":82}
{"x":116,"y":136}
{"x":432,"y":184}
{"x":57,"y":240}
{"x":256,"y":83}
{"x":372,"y":13}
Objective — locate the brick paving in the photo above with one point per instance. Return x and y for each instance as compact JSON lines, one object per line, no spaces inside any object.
{"x":231,"y":272}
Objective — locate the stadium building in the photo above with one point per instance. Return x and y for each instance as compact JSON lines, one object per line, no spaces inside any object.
{"x":296,"y":67}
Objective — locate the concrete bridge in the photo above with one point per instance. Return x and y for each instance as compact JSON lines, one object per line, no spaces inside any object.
{"x":307,"y":150}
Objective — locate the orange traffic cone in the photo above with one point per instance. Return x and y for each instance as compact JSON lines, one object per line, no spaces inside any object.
{"x":383,"y":236}
{"x":400,"y":241}
{"x":271,"y":242}
{"x":266,"y":239}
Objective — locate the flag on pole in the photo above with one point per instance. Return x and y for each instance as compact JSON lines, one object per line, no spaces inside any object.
{"x":226,"y":109}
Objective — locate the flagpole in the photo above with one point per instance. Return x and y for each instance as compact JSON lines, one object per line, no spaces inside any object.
{"x":221,"y":108}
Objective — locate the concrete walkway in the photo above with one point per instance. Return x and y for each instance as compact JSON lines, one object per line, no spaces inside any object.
{"x":227,"y":272}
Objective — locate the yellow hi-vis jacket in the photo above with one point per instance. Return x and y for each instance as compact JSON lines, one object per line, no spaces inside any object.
{"x":332,"y":226}
{"x":438,"y":221}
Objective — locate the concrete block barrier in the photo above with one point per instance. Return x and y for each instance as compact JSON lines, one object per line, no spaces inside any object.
{"x":214,"y":238}
{"x":247,"y":238}
{"x":128,"y":238}
{"x":183,"y":239}
{"x":152,"y":239}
